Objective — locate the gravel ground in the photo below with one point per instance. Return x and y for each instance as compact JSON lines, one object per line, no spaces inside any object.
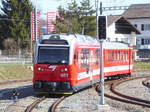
{"x":20,"y":105}
{"x":44,"y":106}
{"x":88,"y":100}
{"x":6,"y":97}
{"x":85,"y":101}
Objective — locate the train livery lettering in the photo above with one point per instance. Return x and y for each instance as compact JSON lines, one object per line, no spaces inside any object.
{"x":53,"y":67}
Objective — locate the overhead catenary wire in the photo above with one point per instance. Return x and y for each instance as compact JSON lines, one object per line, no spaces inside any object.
{"x":122,"y":8}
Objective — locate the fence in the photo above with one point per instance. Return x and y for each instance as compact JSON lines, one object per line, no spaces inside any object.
{"x":15,"y":59}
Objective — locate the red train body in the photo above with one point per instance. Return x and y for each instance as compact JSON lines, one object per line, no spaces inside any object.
{"x":66,"y":63}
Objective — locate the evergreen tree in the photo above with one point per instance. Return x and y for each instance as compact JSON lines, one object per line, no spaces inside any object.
{"x":76,"y":19}
{"x":87,"y":20}
{"x":67,"y":22}
{"x":15,"y":21}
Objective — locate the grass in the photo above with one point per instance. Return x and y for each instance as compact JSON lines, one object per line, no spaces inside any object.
{"x":15,"y":72}
{"x":20,"y":71}
{"x":141,"y":66}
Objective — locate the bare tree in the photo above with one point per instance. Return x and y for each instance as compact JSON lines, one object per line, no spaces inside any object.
{"x":10,"y":46}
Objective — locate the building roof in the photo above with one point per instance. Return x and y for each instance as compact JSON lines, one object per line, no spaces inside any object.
{"x":122,"y":25}
{"x":137,"y":11}
{"x":112,"y":19}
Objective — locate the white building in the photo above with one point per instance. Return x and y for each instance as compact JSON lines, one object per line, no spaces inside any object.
{"x":139,"y":16}
{"x":121,"y":30}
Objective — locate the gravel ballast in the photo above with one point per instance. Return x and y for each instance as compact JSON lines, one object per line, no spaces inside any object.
{"x":84,"y":101}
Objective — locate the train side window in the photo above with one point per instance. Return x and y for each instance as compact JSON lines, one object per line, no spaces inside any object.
{"x":97,"y":56}
{"x":85,"y":53}
{"x":127,"y":56}
{"x":116,"y":52}
{"x":122,"y":59}
{"x":109,"y":56}
{"x":123,"y":54}
{"x":118,"y":55}
{"x":112,"y":55}
{"x":133,"y":56}
{"x":75,"y":57}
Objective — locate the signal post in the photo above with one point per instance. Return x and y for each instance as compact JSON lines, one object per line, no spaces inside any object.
{"x":101,"y":34}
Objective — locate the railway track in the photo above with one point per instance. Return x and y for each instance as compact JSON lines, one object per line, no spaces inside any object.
{"x":52,"y":107}
{"x":55,"y":104}
{"x":34,"y":104}
{"x":146,"y":83}
{"x":31,"y":107}
{"x":126,"y":98}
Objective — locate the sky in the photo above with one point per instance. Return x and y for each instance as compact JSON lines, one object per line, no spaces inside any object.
{"x":51,"y":5}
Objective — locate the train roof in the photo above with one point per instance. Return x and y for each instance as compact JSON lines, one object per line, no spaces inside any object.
{"x":115,"y":45}
{"x":69,"y":39}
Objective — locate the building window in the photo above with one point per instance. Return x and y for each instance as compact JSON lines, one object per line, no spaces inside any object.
{"x":142,"y":41}
{"x":108,"y":39}
{"x":142,"y":27}
{"x":145,"y":27}
{"x":135,"y":25}
{"x":116,"y":39}
{"x":147,"y":41}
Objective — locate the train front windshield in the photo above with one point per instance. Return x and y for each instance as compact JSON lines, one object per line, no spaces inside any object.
{"x":53,"y":55}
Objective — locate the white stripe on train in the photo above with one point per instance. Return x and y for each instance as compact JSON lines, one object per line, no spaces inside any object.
{"x":83,"y":75}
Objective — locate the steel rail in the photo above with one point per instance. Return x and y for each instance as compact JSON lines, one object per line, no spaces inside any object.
{"x":146,"y":83}
{"x":125,"y":100}
{"x":55,"y":104}
{"x":34,"y":104}
{"x":113,"y":89}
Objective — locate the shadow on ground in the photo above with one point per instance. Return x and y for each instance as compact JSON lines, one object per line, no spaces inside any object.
{"x":25,"y":91}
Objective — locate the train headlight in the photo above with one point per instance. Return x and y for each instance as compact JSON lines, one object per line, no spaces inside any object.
{"x":64,"y":70}
{"x":39,"y":68}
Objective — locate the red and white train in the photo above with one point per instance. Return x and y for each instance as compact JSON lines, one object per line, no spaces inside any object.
{"x":65,"y":63}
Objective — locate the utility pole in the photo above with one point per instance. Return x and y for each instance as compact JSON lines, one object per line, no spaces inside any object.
{"x":102,"y":101}
{"x":101,"y":10}
{"x":96,"y":6}
{"x":101,"y":36}
{"x":35,"y":18}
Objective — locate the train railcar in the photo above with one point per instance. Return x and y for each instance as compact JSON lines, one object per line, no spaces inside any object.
{"x":65,"y":63}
